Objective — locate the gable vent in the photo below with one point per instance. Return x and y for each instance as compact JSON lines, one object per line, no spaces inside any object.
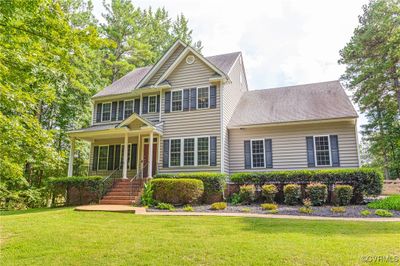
{"x":190,"y":59}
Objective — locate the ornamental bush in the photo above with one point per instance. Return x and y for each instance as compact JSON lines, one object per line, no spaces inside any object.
{"x":292,"y":194}
{"x":269,"y":192}
{"x":317,"y":193}
{"x":177,"y":191}
{"x":269,"y":206}
{"x":247,"y":194}
{"x":214,"y":183}
{"x":217,"y":206}
{"x":343,"y":194}
{"x":365,"y":181}
{"x":389,"y":203}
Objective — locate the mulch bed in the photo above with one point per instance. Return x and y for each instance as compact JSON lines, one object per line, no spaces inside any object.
{"x":324,"y":211}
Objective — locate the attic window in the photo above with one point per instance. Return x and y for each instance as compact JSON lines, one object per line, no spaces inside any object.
{"x":190,"y":59}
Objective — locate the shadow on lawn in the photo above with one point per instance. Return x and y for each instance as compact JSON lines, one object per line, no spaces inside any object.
{"x":38,"y":210}
{"x":265,"y":226}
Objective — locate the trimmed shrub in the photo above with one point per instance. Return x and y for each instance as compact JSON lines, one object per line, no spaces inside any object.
{"x":247,"y":194}
{"x":338,"y":209}
{"x":216,"y":206}
{"x":165,"y":206}
{"x":269,"y":192}
{"x":318,"y":193}
{"x":366,"y":181}
{"x":292,"y":194}
{"x":214,"y":183}
{"x":389,"y":203}
{"x":235,"y":199}
{"x":343,"y":194}
{"x":306,"y":210}
{"x":269,"y":206}
{"x":177,"y":191}
{"x":365,"y":212}
{"x":383,"y":213}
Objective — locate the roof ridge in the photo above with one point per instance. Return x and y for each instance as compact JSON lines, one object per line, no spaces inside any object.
{"x":238,"y":52}
{"x":293,"y":86}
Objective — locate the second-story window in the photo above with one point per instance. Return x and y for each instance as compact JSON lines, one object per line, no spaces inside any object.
{"x":176,"y":103}
{"x":128,"y":109}
{"x":152,"y":104}
{"x":202,"y":98}
{"x":106,"y":113}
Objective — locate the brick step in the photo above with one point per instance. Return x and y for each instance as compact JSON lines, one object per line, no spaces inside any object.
{"x":128,"y":185}
{"x":122,"y":193}
{"x":118,"y":198}
{"x":123,"y":189}
{"x":117,"y":202}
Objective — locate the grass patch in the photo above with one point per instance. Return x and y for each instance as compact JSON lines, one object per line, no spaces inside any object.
{"x":389,"y":203}
{"x":67,"y":237}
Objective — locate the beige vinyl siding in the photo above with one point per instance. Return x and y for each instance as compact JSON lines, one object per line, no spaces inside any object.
{"x":153,"y":117}
{"x":166,"y":65}
{"x":232,"y":93}
{"x":289,"y":149}
{"x":203,"y":122}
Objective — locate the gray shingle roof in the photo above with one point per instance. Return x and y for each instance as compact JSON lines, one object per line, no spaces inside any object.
{"x":317,"y":101}
{"x":97,"y":127}
{"x":129,"y":82}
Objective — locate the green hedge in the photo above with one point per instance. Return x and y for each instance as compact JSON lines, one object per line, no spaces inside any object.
{"x":367,"y":181}
{"x":214,"y":183}
{"x":177,"y":191}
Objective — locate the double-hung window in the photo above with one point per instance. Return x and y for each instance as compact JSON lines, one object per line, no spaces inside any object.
{"x":128,"y":108}
{"x":106,"y":112}
{"x":203,"y":97}
{"x":175,"y":157}
{"x":103,"y":158}
{"x":202,"y":151}
{"x":152,"y":104}
{"x":188,"y":151}
{"x":257,"y":154}
{"x":176,"y":103}
{"x":322,"y":150}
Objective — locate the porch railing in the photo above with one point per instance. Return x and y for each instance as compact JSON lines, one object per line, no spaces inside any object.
{"x":139,"y":175}
{"x":109,"y":182}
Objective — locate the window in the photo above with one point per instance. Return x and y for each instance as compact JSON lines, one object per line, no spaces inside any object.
{"x":202,"y":151}
{"x":106,"y":113}
{"x":322,"y":150}
{"x":188,"y":152}
{"x":128,"y":108}
{"x":175,"y":158}
{"x":152,"y":104}
{"x":103,"y":158}
{"x":257,"y":153}
{"x":202,"y":97}
{"x":176,"y":103}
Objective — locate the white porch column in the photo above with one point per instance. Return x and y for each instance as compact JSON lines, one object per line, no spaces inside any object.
{"x":151,"y":154}
{"x":125,"y":165}
{"x":71,"y":157}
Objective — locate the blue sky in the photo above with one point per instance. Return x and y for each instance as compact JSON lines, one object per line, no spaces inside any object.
{"x":283,"y":43}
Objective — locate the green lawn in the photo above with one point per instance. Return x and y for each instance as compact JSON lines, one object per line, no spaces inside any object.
{"x":66,"y":237}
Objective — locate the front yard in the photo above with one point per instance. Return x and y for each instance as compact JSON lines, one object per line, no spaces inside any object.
{"x":66,"y":237}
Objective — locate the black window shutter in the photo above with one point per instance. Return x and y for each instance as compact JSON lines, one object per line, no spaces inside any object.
{"x":166,"y":153}
{"x":117,"y":159}
{"x":310,"y":151}
{"x":186,"y":100}
{"x":335,"y":150}
{"x":114,"y":111}
{"x":145,"y":105}
{"x":133,"y":156}
{"x":111,"y":157}
{"x":213,"y":96}
{"x":213,"y":151}
{"x":268,"y":153}
{"x":158,"y":103}
{"x":95,"y":157}
{"x":121,"y":110}
{"x":137,"y":106}
{"x":98,"y":112}
{"x":167,"y":102}
{"x":193,"y":98}
{"x":247,"y":154}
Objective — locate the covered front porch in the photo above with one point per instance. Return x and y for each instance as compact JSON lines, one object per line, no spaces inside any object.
{"x":130,"y":148}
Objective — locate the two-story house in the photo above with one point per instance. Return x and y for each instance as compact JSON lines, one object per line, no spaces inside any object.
{"x":194,"y":113}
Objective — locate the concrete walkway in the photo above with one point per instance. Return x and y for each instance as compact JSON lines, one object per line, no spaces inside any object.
{"x":142,"y":211}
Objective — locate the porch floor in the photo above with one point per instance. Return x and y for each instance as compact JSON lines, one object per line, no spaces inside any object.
{"x":111,"y":208}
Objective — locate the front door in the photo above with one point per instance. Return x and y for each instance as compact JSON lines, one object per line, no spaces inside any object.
{"x":146,"y":159}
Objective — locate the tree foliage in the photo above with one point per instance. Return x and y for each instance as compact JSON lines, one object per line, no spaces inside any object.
{"x":372,"y":59}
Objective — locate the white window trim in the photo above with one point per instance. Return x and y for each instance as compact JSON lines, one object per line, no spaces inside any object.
{"x":102,"y":111}
{"x":133,"y":107}
{"x":315,"y":151}
{"x":197,"y":98}
{"x":172,"y":92}
{"x":148,"y":104}
{"x":182,"y":149}
{"x":251,"y":153}
{"x":98,"y":157}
